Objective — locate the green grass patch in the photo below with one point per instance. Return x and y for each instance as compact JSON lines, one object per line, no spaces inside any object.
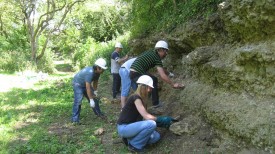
{"x":37,"y":120}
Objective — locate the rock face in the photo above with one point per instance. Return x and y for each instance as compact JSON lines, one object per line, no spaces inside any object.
{"x":227,"y":63}
{"x":189,"y":125}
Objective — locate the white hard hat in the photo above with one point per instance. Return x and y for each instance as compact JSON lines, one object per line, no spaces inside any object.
{"x":161,"y":44}
{"x":118,"y":45}
{"x":101,"y":63}
{"x":146,"y":79}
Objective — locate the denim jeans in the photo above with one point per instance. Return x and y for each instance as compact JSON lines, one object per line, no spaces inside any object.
{"x":116,"y":84}
{"x":79,"y":92}
{"x":140,"y":133}
{"x":126,"y":82}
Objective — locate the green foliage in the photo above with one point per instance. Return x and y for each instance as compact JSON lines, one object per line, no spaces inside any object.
{"x":14,"y":50}
{"x":46,"y":64}
{"x":86,"y":54}
{"x":105,"y":23}
{"x":16,"y":54}
{"x":12,"y":61}
{"x":158,"y":15}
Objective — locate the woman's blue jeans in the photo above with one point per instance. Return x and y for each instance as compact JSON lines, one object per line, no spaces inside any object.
{"x":79,"y":92}
{"x":140,"y":133}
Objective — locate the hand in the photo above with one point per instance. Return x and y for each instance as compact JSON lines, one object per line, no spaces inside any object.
{"x":178,"y":86}
{"x":95,"y":92}
{"x":164,"y":121}
{"x":92,"y":103}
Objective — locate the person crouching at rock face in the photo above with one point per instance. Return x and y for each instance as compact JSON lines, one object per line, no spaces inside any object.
{"x":136,"y":132}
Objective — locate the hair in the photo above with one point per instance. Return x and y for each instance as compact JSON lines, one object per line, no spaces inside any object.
{"x":142,"y":91}
{"x":159,"y":49}
{"x":95,"y":67}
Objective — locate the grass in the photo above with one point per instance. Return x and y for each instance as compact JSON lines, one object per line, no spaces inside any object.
{"x":37,"y":120}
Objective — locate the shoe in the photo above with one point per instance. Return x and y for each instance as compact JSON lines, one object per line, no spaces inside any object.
{"x":75,"y":123}
{"x":125,"y":141}
{"x":160,"y":104}
{"x":133,"y":149}
{"x":118,"y":95}
{"x":102,"y":116}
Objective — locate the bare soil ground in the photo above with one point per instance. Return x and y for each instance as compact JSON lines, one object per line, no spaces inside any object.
{"x":200,"y":142}
{"x":204,"y":140}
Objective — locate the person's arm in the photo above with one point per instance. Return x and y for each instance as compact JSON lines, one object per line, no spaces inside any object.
{"x":143,"y":111}
{"x":165,"y":78}
{"x":89,"y":92}
{"x":122,"y":60}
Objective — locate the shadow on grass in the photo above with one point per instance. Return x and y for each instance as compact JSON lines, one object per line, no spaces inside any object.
{"x":64,"y":67}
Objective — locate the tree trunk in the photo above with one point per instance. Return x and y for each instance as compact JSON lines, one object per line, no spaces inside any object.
{"x":33,"y":48}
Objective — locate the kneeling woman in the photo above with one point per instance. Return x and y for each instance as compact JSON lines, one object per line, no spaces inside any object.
{"x":135,"y":125}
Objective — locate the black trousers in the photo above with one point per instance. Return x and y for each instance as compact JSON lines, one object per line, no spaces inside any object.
{"x":116,"y":84}
{"x":155,"y":95}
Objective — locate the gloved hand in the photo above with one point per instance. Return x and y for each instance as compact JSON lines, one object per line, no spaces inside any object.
{"x":92,"y":103}
{"x":171,"y":74}
{"x":95,"y":92}
{"x":164,"y":121}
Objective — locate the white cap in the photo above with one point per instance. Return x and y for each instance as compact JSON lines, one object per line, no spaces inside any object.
{"x":146,"y":79}
{"x":101,"y":63}
{"x":118,"y":45}
{"x":161,"y":44}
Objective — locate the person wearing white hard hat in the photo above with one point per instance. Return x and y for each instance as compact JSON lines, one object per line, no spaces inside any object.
{"x":116,"y":62}
{"x":135,"y":125}
{"x":85,"y":84}
{"x":148,"y":60}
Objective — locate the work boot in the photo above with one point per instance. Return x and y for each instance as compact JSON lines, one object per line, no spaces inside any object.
{"x":102,"y":116}
{"x":125,"y":141}
{"x":133,"y":149}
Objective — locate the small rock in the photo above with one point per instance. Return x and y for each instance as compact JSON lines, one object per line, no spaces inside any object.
{"x":99,"y":131}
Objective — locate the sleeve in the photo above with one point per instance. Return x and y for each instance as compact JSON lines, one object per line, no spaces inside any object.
{"x":89,"y":76}
{"x":115,"y":56}
{"x":158,"y":62}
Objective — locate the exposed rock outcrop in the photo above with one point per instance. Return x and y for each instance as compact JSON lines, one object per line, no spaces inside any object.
{"x":227,"y":62}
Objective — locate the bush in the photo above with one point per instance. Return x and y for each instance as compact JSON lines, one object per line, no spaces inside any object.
{"x":164,"y":15}
{"x":13,"y":61}
{"x":87,"y":53}
{"x":46,"y":64}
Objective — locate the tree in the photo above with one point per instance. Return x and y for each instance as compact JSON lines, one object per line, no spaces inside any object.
{"x":106,"y":22}
{"x":44,"y":17}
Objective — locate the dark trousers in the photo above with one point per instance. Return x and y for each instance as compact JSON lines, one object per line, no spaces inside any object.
{"x":155,"y":95}
{"x":79,"y":92}
{"x":116,"y":84}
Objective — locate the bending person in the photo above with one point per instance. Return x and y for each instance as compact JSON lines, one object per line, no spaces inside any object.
{"x":148,"y":60}
{"x":82,"y":87}
{"x":126,"y":83}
